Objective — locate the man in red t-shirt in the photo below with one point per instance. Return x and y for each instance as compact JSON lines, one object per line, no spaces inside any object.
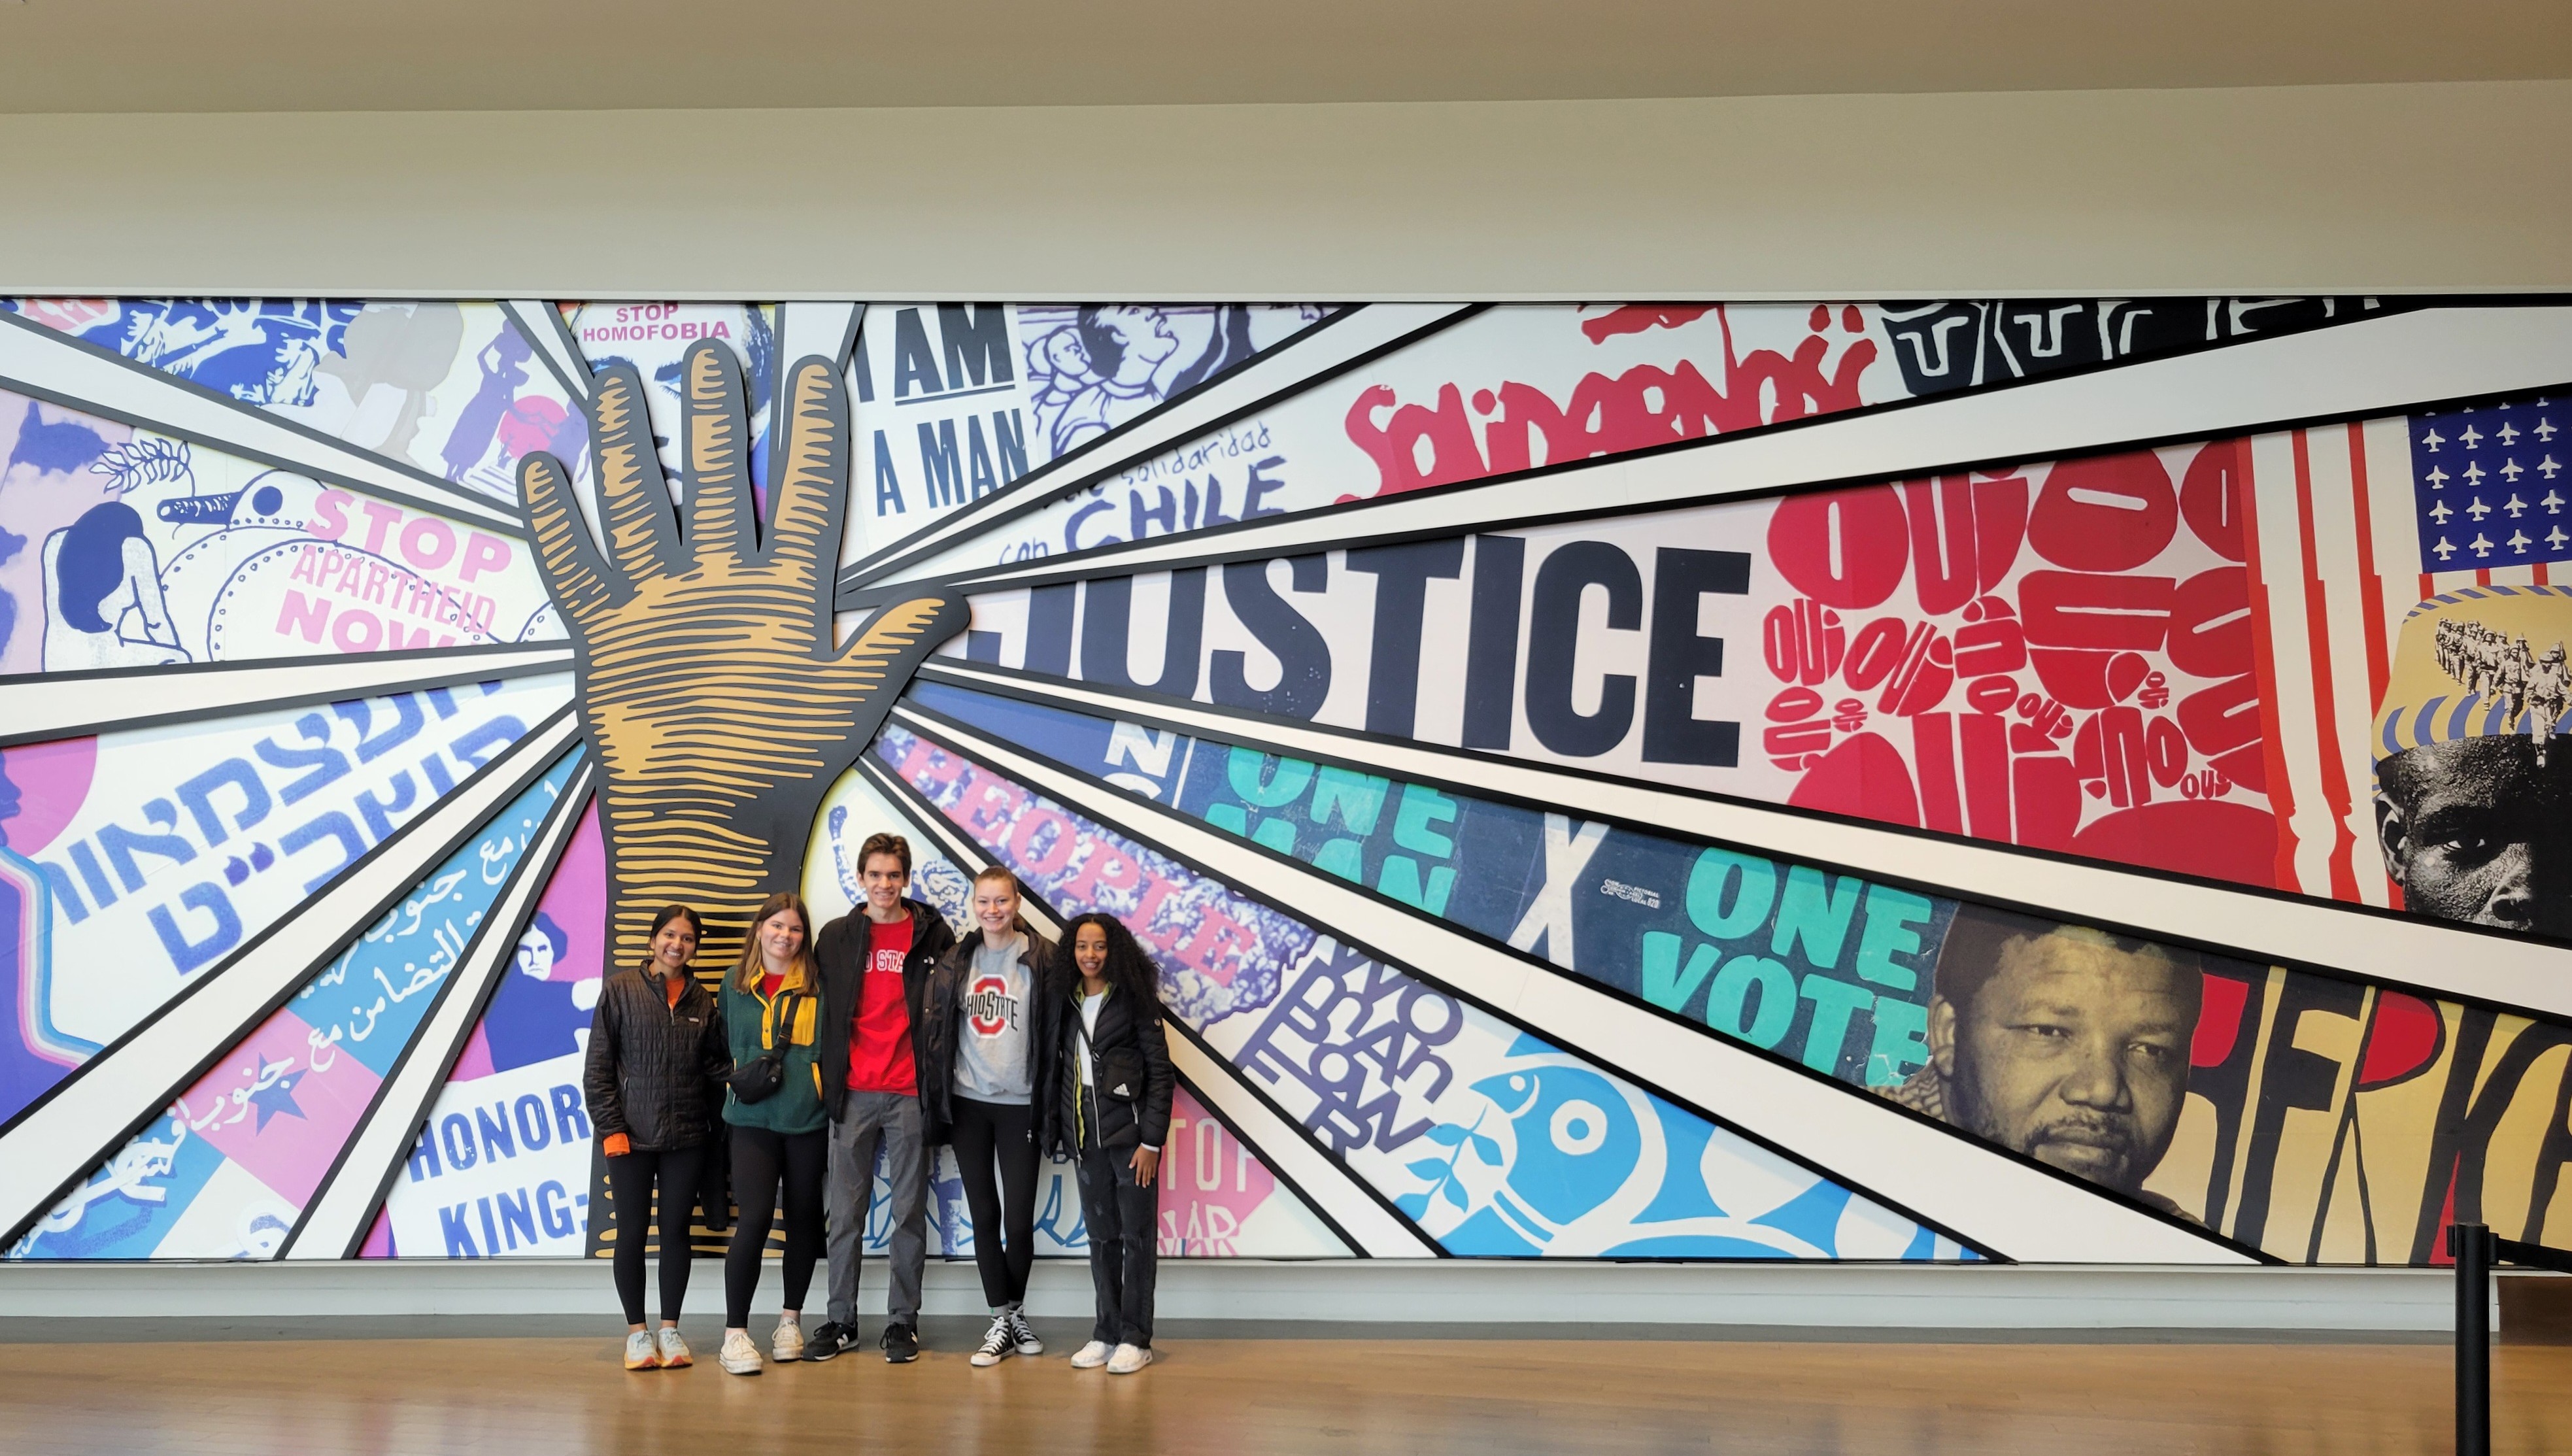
{"x":874,"y":965}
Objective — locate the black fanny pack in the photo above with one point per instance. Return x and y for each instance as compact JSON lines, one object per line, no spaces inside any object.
{"x":758,"y":1080}
{"x":1120,"y":1073}
{"x":1117,"y":1072}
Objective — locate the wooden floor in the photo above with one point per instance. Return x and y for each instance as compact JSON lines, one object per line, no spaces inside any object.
{"x":1485,"y":1398}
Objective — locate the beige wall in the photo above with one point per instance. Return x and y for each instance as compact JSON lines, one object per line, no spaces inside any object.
{"x":2347,"y":189}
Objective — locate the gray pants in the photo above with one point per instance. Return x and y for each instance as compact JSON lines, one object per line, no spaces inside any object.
{"x":867,"y":1120}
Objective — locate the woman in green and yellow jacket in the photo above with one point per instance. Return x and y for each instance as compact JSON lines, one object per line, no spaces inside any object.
{"x":773,"y":1013}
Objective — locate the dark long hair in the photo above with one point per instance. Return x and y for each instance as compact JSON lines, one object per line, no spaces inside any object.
{"x":92,"y":562}
{"x":667,"y":914}
{"x":1129,"y":969}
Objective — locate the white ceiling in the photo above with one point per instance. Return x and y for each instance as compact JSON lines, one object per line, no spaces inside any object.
{"x":474,"y":55}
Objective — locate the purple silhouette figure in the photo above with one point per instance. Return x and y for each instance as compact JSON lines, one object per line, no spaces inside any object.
{"x":504,"y":368}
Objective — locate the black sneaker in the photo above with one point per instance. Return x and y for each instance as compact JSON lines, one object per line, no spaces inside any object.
{"x":999,"y":1344}
{"x":828,"y":1340}
{"x":1021,"y":1331}
{"x":900,"y":1344}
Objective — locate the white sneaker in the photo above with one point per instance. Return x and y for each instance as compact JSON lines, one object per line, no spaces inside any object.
{"x":787,"y":1345}
{"x":1025,"y":1334}
{"x":1128,"y":1359}
{"x":639,"y":1352}
{"x":740,"y":1356}
{"x":999,"y":1344}
{"x":674,"y":1350}
{"x":1093,"y":1355}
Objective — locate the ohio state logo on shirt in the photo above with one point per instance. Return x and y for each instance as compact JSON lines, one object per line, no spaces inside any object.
{"x":989,"y":1008}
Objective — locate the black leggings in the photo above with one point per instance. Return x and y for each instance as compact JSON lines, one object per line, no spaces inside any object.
{"x":985,"y":1135}
{"x":759,"y":1160}
{"x":678,"y":1171}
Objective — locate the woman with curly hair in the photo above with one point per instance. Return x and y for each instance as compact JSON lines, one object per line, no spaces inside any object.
{"x":1112,"y":1113}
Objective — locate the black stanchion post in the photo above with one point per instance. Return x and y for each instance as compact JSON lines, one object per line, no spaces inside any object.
{"x":2471,"y":1245}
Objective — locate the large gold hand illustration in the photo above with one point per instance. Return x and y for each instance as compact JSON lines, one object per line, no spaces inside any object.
{"x":709,"y":683}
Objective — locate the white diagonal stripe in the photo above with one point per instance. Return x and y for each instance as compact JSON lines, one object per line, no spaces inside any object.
{"x":947,"y":546}
{"x":1329,"y":1188}
{"x":69,"y":705}
{"x":41,"y":363}
{"x":2377,"y":366}
{"x":2388,"y":948}
{"x":1861,"y":1140}
{"x":93,"y":1110}
{"x":541,"y":324}
{"x":826,"y":328}
{"x":337,"y":1217}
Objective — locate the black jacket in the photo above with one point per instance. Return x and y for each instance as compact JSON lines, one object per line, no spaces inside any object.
{"x":932,"y":1031}
{"x":842,"y":954}
{"x":655,"y":1070}
{"x":1110,"y":1122}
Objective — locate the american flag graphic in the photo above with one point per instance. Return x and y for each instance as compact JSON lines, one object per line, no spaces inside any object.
{"x":2353,"y":524}
{"x":2489,"y":490}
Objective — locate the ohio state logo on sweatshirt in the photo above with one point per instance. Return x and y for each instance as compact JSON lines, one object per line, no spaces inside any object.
{"x":989,"y":1008}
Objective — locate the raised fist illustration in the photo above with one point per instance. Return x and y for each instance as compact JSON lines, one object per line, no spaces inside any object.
{"x":709,"y":683}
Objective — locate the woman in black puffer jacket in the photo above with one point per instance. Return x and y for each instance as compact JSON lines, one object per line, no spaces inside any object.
{"x":1110,"y":1114}
{"x":657,"y":1059}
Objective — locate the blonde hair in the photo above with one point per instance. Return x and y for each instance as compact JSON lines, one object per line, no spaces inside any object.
{"x":1000,"y":874}
{"x":799,"y":977}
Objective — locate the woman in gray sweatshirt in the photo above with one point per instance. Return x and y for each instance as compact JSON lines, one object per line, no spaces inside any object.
{"x":988,"y":1050}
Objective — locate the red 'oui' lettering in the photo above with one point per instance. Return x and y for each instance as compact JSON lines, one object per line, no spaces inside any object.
{"x":2144,"y":698}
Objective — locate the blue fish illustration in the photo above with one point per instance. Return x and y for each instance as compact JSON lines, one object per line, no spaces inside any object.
{"x":1577,"y":1143}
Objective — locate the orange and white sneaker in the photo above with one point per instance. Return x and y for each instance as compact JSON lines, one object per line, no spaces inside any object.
{"x":674,"y":1350}
{"x":640,"y":1353}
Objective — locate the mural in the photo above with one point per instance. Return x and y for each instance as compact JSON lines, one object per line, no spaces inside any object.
{"x":452,"y":389}
{"x":229,"y":1172}
{"x":2098,"y":751}
{"x":1971,"y":1015}
{"x":157,"y":552}
{"x":1492,"y":1142}
{"x":150,"y":858}
{"x":710,"y":680}
{"x":1518,"y":386}
{"x":956,"y":401}
{"x":2082,"y":656}
{"x":502,"y":1162}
